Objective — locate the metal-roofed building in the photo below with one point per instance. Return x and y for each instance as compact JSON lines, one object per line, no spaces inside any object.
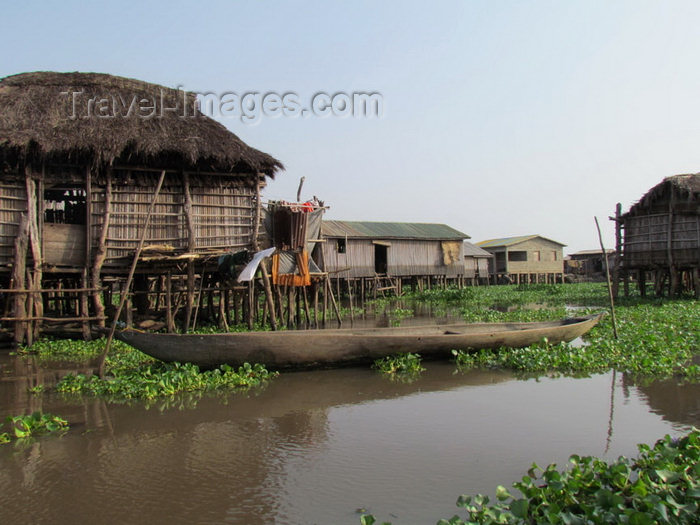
{"x":361,"y":249}
{"x":527,"y":258}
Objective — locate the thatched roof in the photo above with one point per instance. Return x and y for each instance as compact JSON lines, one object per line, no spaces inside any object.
{"x":686,"y":186}
{"x":104,"y":117}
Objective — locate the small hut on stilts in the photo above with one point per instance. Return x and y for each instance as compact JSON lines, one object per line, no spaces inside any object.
{"x":86,"y":161}
{"x":659,"y":238}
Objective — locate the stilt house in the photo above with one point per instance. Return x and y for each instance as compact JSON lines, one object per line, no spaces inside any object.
{"x":659,"y":236}
{"x":589,"y":262}
{"x":526,"y":259}
{"x":394,"y":251}
{"x":86,"y":160}
{"x":476,"y":264}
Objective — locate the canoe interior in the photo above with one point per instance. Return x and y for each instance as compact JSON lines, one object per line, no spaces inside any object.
{"x":339,"y":347}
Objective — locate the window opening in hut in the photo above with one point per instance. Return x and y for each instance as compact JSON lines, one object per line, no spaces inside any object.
{"x":341,"y":245}
{"x":554,"y":255}
{"x":518,"y":256}
{"x":65,"y":205}
{"x":536,"y":255}
{"x":380,"y":258}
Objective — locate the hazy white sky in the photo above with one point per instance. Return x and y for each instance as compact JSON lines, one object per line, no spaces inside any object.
{"x":499,"y":118}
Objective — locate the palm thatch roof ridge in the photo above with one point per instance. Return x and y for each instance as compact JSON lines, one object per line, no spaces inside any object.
{"x":106,"y":117}
{"x":687,"y":185}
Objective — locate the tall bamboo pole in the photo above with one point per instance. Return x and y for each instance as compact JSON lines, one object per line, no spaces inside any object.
{"x":266,"y":278}
{"x":101,"y":253}
{"x":132,"y":270}
{"x":191,"y":243}
{"x":607,"y":274}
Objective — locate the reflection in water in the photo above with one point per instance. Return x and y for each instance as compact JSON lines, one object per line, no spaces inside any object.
{"x":676,"y":403}
{"x":315,"y":446}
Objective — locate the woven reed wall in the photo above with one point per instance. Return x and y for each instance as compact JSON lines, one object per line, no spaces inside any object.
{"x":222,"y":216}
{"x":646,"y":239}
{"x":222,"y":213}
{"x":13,"y":202}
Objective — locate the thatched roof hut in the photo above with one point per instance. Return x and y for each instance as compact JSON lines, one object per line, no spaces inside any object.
{"x":82,"y":156}
{"x":661,"y":233}
{"x":108,"y":119}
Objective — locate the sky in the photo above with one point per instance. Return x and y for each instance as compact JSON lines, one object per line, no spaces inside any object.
{"x":498,"y":118}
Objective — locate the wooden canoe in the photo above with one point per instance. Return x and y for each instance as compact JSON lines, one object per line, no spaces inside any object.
{"x":338,"y":347}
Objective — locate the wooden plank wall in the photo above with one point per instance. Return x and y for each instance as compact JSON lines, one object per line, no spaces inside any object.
{"x":405,"y":258}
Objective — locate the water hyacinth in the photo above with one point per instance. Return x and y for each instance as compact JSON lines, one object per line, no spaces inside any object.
{"x":657,"y":339}
{"x":406,"y":366}
{"x":32,"y":425}
{"x":661,"y":485}
{"x":164,"y":379}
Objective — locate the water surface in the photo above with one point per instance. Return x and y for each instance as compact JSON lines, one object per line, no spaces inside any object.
{"x":314,"y":447}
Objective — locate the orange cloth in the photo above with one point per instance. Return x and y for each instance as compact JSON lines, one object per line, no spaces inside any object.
{"x":303,"y":278}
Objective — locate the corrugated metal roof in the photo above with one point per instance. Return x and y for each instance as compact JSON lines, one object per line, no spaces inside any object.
{"x":472,"y":250}
{"x":390,"y":230}
{"x":510,"y":241}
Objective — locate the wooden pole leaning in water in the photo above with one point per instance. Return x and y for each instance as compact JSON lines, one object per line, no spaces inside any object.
{"x":132,"y":270}
{"x":607,"y":274}
{"x":263,"y":269}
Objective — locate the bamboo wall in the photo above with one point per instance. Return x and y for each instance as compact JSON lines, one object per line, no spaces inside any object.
{"x":222,"y":217}
{"x":61,"y":252}
{"x":13,"y":202}
{"x":648,"y":238}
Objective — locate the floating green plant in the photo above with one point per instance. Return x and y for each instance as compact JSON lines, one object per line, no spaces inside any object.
{"x":35,"y":424}
{"x":400,"y":365}
{"x":655,"y":341}
{"x":150,"y":381}
{"x":661,"y":485}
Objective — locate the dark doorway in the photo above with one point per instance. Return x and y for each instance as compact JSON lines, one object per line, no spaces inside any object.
{"x":65,"y":205}
{"x":380,"y":259}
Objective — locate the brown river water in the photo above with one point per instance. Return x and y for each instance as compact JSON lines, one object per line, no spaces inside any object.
{"x":318,"y":447}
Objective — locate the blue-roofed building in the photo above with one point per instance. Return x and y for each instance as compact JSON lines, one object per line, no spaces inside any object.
{"x":526,"y":258}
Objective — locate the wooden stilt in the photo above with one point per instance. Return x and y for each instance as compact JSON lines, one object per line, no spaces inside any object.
{"x":85,"y":306}
{"x":315,"y":292}
{"x":101,"y":253}
{"x":169,"y":321}
{"x":325,"y":300}
{"x":307,"y":314}
{"x":352,"y":314}
{"x":335,"y":305}
{"x":18,"y":279}
{"x":132,"y":270}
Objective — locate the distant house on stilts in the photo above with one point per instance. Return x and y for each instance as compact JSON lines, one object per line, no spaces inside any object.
{"x":383,"y":255}
{"x":526,"y":259}
{"x":476,"y":264}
